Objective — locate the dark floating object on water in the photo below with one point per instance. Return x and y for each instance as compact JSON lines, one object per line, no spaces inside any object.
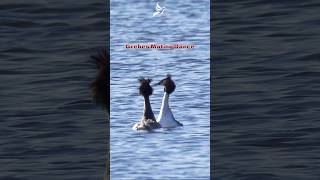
{"x":148,"y":121}
{"x":100,"y":86}
{"x":166,"y":118}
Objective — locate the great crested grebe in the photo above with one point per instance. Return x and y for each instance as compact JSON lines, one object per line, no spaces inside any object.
{"x":148,"y":121}
{"x":166,"y":118}
{"x":101,"y":94}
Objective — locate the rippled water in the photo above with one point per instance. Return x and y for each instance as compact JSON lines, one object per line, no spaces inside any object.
{"x":50,"y":128}
{"x":266,"y":90}
{"x":180,"y":153}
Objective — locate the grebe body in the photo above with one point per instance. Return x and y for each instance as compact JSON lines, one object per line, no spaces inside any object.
{"x":166,"y":118}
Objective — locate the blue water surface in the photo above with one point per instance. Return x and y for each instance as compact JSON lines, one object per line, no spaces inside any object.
{"x":180,"y":153}
{"x":266,"y":90}
{"x":50,"y":127}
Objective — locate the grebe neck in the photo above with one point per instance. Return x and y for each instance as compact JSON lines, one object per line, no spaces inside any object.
{"x":166,"y":118}
{"x":165,"y":101}
{"x":148,"y":113}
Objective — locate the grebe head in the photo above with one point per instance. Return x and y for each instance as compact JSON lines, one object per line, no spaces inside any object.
{"x":168,"y":84}
{"x":145,"y":89}
{"x":100,"y":85}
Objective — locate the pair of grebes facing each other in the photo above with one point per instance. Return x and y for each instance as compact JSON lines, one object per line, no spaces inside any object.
{"x":100,"y":89}
{"x":165,"y":118}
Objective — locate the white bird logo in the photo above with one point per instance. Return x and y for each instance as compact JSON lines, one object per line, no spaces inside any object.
{"x":159,"y":10}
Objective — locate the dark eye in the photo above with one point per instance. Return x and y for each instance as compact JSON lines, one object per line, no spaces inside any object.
{"x":140,"y":79}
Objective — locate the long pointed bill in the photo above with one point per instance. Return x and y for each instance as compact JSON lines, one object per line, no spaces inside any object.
{"x":159,"y":83}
